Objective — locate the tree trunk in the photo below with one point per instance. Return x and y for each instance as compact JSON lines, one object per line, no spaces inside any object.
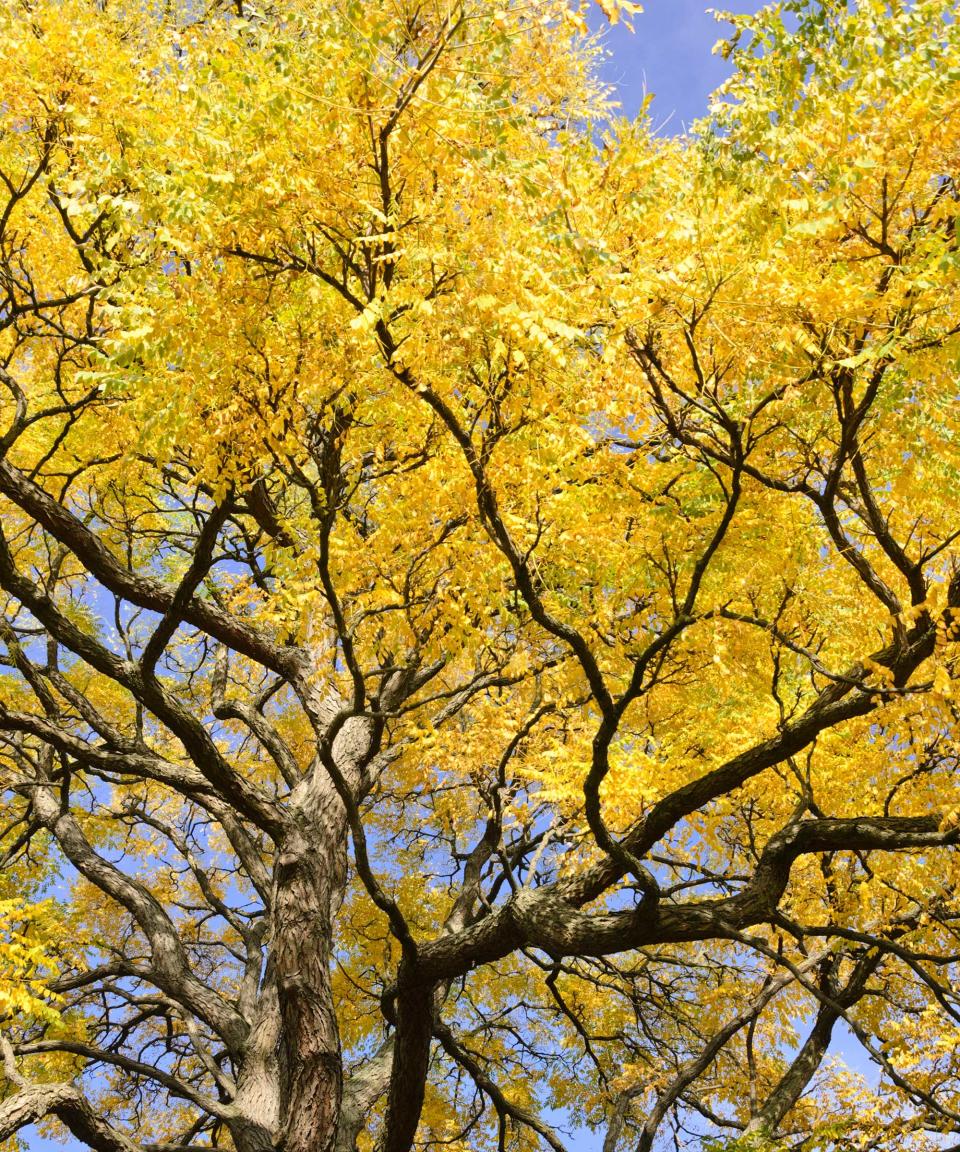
{"x":290,"y":1086}
{"x":308,"y":885}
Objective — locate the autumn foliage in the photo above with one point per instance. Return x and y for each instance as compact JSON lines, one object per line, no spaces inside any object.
{"x":478,"y":581}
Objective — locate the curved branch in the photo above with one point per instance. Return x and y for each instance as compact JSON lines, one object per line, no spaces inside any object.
{"x":139,"y":589}
{"x":504,"y":1106}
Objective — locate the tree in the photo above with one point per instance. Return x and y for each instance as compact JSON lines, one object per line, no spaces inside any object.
{"x":479,"y":581}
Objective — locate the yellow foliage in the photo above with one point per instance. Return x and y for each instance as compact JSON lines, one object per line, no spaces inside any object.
{"x":573,"y":494}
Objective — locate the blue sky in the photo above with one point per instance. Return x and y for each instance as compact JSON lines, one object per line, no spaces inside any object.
{"x":668,"y":54}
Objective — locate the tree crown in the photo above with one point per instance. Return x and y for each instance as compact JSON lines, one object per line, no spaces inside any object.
{"x":479,"y":580}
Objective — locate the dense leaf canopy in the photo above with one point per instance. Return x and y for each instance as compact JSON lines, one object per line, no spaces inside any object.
{"x":479,"y":581}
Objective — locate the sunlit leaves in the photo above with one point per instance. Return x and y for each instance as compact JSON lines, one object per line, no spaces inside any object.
{"x":473,"y":368}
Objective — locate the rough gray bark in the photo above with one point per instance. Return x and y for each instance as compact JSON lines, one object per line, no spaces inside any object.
{"x":31,"y":1103}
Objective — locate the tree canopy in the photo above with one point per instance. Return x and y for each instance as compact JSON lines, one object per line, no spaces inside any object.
{"x":479,"y":581}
